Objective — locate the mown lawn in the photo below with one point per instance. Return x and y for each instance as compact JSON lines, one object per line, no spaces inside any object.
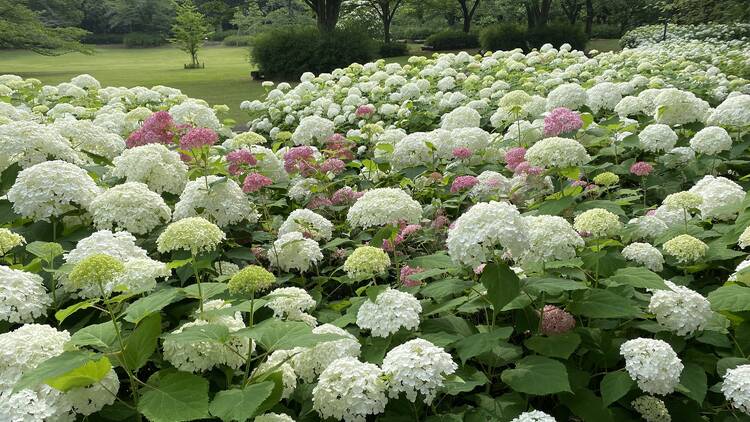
{"x":225,"y":80}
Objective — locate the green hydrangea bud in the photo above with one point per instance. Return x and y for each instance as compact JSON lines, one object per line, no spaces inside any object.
{"x":250,"y":280}
{"x":98,"y":269}
{"x":607,"y":179}
{"x":366,"y":262}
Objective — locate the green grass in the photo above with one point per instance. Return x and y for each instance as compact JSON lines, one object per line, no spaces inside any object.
{"x":225,"y":80}
{"x":604,"y":45}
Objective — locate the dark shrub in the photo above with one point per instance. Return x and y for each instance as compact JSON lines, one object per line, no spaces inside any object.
{"x":412,"y":32}
{"x":143,"y":39}
{"x":221,"y":35}
{"x":503,"y":37}
{"x":103,"y":39}
{"x":393,"y":49}
{"x":238,"y":40}
{"x":452,"y":40}
{"x":604,"y":30}
{"x":292,"y":51}
{"x":558,"y":34}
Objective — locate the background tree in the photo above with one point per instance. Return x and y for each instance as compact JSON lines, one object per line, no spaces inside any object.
{"x":572,"y":9}
{"x":190,"y":30}
{"x":386,"y":10}
{"x":467,"y":10}
{"x":537,"y":12}
{"x":21,"y":28}
{"x":326,"y":13}
{"x":58,"y":13}
{"x":153,"y":16}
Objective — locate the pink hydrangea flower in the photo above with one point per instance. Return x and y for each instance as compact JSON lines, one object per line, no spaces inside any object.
{"x":238,"y":159}
{"x":255,"y":182}
{"x":408,"y":271}
{"x":157,"y":128}
{"x":410,"y":229}
{"x":526,"y":168}
{"x":462,"y":153}
{"x":319,"y":202}
{"x":514,"y":157}
{"x":463,"y":182}
{"x":337,"y":146}
{"x":641,"y":168}
{"x":198,"y":138}
{"x":345,"y":195}
{"x":435,"y":176}
{"x":479,"y":269}
{"x":561,"y":120}
{"x":258,"y":252}
{"x":440,"y":221}
{"x":364,"y":110}
{"x":333,"y":165}
{"x":581,"y":183}
{"x":556,"y":320}
{"x":299,"y":159}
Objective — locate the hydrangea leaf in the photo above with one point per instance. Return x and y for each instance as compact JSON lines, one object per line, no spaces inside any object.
{"x":614,"y":386}
{"x":174,"y":397}
{"x":88,"y":374}
{"x":241,"y":405}
{"x":537,"y":375}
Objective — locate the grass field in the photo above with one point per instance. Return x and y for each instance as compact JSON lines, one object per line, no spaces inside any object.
{"x":225,"y":80}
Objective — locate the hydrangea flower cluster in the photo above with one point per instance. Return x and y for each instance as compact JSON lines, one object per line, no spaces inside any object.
{"x":652,"y":364}
{"x":391,"y":311}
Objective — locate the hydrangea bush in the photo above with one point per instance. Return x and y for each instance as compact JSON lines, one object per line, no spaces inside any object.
{"x":507,"y":237}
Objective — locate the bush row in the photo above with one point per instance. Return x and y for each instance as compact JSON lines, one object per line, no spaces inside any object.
{"x":510,"y":36}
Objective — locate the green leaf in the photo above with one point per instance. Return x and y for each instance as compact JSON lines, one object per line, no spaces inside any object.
{"x":99,"y":336}
{"x":502,"y":284}
{"x":374,"y":291}
{"x":559,"y":346}
{"x":209,"y":290}
{"x":597,"y":303}
{"x":614,"y":386}
{"x":47,"y":251}
{"x":463,"y":381}
{"x":70,"y":310}
{"x":154,"y":302}
{"x":447,"y":287}
{"x":54,"y":367}
{"x":725,"y":364}
{"x":587,"y":406}
{"x":537,"y":375}
{"x":174,"y":397}
{"x":638,"y":277}
{"x":693,"y":382}
{"x":732,"y":298}
{"x":142,"y":342}
{"x":178,"y":263}
{"x":480,"y":343}
{"x":273,"y":334}
{"x":385,"y":233}
{"x":88,"y":374}
{"x":552,"y":286}
{"x":207,"y":333}
{"x":240,"y":405}
{"x":437,"y":260}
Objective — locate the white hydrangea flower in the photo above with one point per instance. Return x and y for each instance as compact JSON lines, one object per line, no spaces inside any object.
{"x":383,"y":206}
{"x":644,"y":254}
{"x":603,"y":96}
{"x":23,"y":296}
{"x":679,"y":309}
{"x":153,"y":164}
{"x":280,"y":360}
{"x":306,"y":221}
{"x":744,"y":240}
{"x":273,"y":417}
{"x":84,"y":135}
{"x":292,"y":251}
{"x":269,"y":164}
{"x":653,"y":364}
{"x":203,"y":355}
{"x":290,"y":302}
{"x":130,"y":206}
{"x":557,"y":153}
{"x":534,"y":416}
{"x":196,"y":113}
{"x":647,"y":227}
{"x":657,"y":137}
{"x":711,"y":140}
{"x":630,"y":106}
{"x":313,"y":129}
{"x":391,"y":311}
{"x":651,"y":409}
{"x":310,"y":362}
{"x":485,"y":226}
{"x":51,"y":189}
{"x":598,"y":223}
{"x":569,"y":95}
{"x":720,"y":197}
{"x":676,"y":107}
{"x":350,"y":390}
{"x":734,"y":112}
{"x":88,"y":400}
{"x":226,"y":268}
{"x":460,"y":117}
{"x":223,"y":202}
{"x":28,"y":143}
{"x":491,"y":184}
{"x":412,"y":149}
{"x":417,"y":366}
{"x":736,"y":387}
{"x":551,"y":238}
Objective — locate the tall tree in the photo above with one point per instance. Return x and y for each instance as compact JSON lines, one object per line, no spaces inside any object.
{"x":468,"y":10}
{"x":537,"y":12}
{"x":572,"y":8}
{"x":190,"y":30}
{"x":326,"y":13}
{"x":589,"y":17}
{"x":386,"y":10}
{"x":20,"y":27}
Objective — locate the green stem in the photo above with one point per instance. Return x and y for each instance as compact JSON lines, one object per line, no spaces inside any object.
{"x":198,"y":280}
{"x":249,"y":349}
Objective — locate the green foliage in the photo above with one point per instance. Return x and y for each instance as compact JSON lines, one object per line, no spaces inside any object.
{"x":21,"y":28}
{"x":393,"y":49}
{"x":238,"y":40}
{"x":174,"y":397}
{"x":503,"y":37}
{"x":558,"y":34}
{"x":190,"y":29}
{"x":103,"y":39}
{"x":294,"y":51}
{"x":143,"y":40}
{"x":452,"y":40}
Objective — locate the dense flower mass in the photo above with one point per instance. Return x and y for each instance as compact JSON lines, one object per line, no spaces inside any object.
{"x":461,"y":236}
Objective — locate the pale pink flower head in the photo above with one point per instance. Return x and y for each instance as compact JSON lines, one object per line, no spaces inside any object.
{"x":651,"y":213}
{"x":581,"y":183}
{"x":300,"y":159}
{"x":258,"y":252}
{"x":408,"y":271}
{"x":561,"y":120}
{"x":641,"y":168}
{"x":255,"y":182}
{"x":514,"y":157}
{"x":463,"y":182}
{"x":337,"y":146}
{"x":440,"y":222}
{"x":157,"y":128}
{"x":333,"y":165}
{"x":436,"y":177}
{"x":319,"y":202}
{"x":197,"y":138}
{"x":556,"y":320}
{"x":410,"y":229}
{"x":525,"y":168}
{"x":479,"y":269}
{"x":364,"y":110}
{"x":345,"y":195}
{"x":239,"y":159}
{"x":462,"y":153}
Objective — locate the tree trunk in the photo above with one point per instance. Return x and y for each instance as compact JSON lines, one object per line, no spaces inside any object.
{"x":386,"y":15}
{"x":589,"y":17}
{"x":468,"y":13}
{"x":326,"y":13}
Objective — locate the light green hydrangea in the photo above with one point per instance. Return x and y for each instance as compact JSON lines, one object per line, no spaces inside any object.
{"x":607,"y":179}
{"x":97,"y":270}
{"x":9,"y":240}
{"x":683,"y":200}
{"x":557,"y":153}
{"x":651,"y":409}
{"x":366,"y":262}
{"x":194,"y":234}
{"x":250,"y":280}
{"x":744,"y":240}
{"x":598,"y":223}
{"x":685,"y":248}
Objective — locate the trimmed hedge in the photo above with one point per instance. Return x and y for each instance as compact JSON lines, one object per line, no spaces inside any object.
{"x":238,"y":40}
{"x":143,"y":39}
{"x":393,"y":49}
{"x":503,"y":37}
{"x":452,"y":39}
{"x":103,"y":39}
{"x":293,"y":51}
{"x":508,"y":37}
